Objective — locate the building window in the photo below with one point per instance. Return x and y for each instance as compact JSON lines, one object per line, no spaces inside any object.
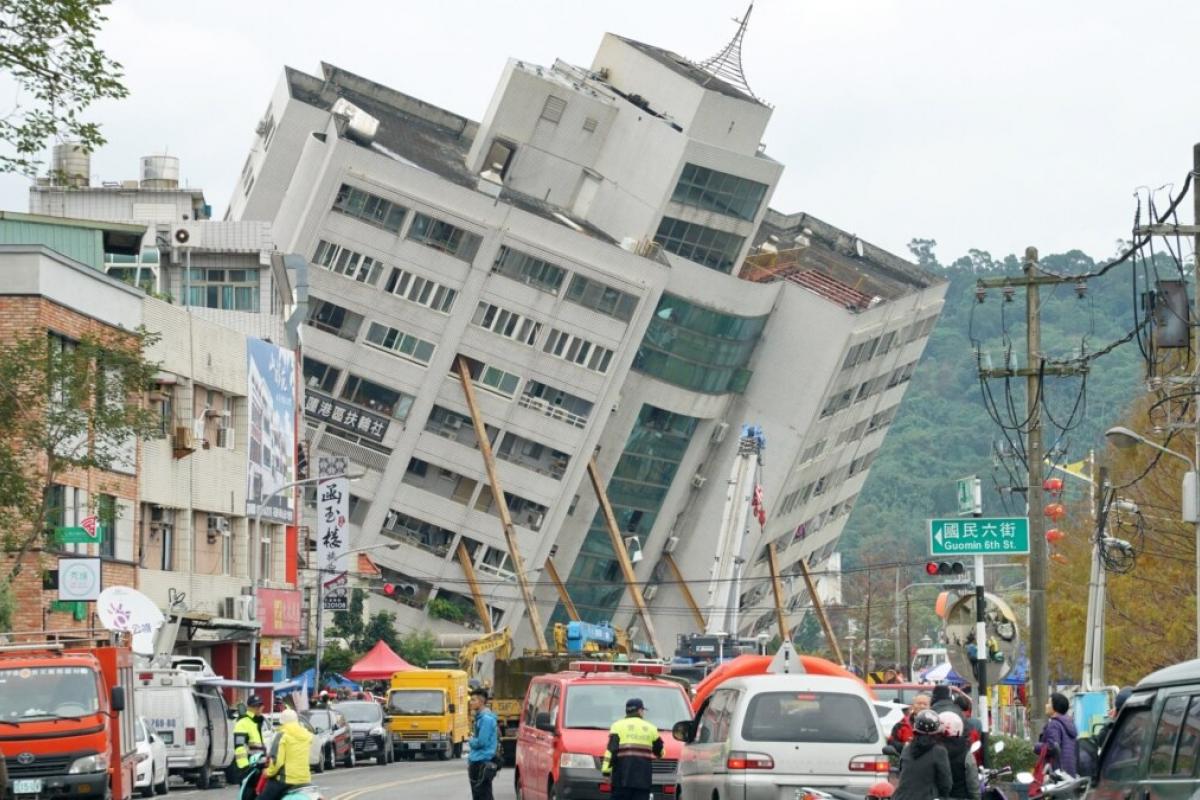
{"x":421,"y":291}
{"x":508,"y":324}
{"x":106,"y":516}
{"x":369,"y":208}
{"x":556,"y":403}
{"x":602,"y":298}
{"x":707,"y":246}
{"x":499,"y":157}
{"x":347,"y":262}
{"x":535,"y":272}
{"x":400,"y":343}
{"x":491,"y":378}
{"x":578,"y":350}
{"x":533,"y":455}
{"x":719,"y":191}
{"x":332,"y":318}
{"x":318,"y":375}
{"x":553,"y":109}
{"x":590,"y":124}
{"x":443,"y":236}
{"x":374,"y":397}
{"x":248,"y":175}
{"x":229,"y":289}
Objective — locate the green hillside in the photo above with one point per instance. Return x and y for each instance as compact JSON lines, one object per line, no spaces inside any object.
{"x":944,"y":431}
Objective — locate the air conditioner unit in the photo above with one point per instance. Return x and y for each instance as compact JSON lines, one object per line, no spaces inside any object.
{"x":183,"y":438}
{"x":698,"y":481}
{"x":719,"y":432}
{"x":649,"y":592}
{"x":225,"y":438}
{"x":228,"y":608}
{"x":243,"y":608}
{"x":185,"y":236}
{"x":670,"y":545}
{"x":218,"y":525}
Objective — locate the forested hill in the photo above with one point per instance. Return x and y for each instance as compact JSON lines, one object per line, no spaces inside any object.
{"x":944,"y":430}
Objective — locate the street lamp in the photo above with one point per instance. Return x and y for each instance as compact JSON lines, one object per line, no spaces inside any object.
{"x":1189,"y":500}
{"x":321,"y":610}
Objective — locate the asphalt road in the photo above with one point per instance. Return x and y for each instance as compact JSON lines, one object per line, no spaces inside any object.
{"x":443,"y":780}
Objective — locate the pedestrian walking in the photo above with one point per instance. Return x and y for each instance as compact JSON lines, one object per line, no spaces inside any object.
{"x":924,"y":764}
{"x":633,"y":744}
{"x":964,"y":772}
{"x":1060,"y":739}
{"x":481,"y":761}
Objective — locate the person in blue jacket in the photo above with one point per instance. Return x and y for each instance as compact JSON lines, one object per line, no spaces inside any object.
{"x":481,"y":761}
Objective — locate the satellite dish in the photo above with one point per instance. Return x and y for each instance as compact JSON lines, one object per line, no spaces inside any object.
{"x":129,"y":611}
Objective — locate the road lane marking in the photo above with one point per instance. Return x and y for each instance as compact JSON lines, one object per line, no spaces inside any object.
{"x":351,"y":795}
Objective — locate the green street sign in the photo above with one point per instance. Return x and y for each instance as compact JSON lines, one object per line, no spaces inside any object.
{"x":88,"y":533}
{"x":979,"y":537}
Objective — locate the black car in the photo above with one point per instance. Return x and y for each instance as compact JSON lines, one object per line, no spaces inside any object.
{"x":369,"y":727}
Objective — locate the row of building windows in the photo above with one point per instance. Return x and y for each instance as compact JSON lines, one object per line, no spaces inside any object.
{"x":422,"y":291}
{"x":357,"y":390}
{"x":869,"y":388}
{"x":228,"y":289}
{"x":509,"y":324}
{"x":370,"y":208}
{"x":549,"y":278}
{"x":815,"y":523}
{"x":706,"y":246}
{"x":397,"y":342}
{"x":348,"y":263}
{"x":818,"y":487}
{"x":719,"y":191}
{"x":574,"y":348}
{"x":440,"y":235}
{"x":866,"y":426}
{"x":883,"y":344}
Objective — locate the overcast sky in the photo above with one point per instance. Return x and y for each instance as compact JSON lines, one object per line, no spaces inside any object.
{"x":980,"y":124}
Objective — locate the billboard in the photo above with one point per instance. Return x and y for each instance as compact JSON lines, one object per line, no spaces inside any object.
{"x":333,"y":529}
{"x":279,"y":613}
{"x":271,"y":450}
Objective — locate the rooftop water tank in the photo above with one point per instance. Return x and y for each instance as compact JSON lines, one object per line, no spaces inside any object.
{"x":71,"y":165}
{"x":160,"y":172}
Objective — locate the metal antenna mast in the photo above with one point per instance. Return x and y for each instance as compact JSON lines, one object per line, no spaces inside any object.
{"x":727,"y":64}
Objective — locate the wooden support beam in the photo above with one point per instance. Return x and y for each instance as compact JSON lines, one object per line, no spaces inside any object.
{"x":464,"y":558}
{"x":777,"y":589}
{"x":697,"y":614}
{"x":816,"y":604}
{"x":568,"y":604}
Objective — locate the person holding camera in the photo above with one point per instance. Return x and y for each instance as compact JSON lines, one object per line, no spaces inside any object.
{"x":481,"y":761}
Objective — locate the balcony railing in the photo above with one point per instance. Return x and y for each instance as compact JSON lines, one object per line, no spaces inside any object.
{"x":553,"y":412}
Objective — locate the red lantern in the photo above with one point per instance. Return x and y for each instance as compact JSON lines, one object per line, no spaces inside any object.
{"x":1054,"y":536}
{"x":1053,"y":485}
{"x":1055,"y":511}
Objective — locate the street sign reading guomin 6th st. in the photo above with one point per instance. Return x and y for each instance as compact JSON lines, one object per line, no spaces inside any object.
{"x":979,"y":537}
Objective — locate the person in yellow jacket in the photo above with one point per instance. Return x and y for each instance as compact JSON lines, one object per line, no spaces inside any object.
{"x":633,"y":744}
{"x":247,"y":735}
{"x":289,"y":766}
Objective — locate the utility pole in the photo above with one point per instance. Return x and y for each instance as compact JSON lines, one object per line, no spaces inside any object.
{"x":1034,"y":371}
{"x":1093,"y":647}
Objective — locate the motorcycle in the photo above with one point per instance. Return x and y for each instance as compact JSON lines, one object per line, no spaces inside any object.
{"x":988,"y":790}
{"x":1052,"y":784}
{"x":249,"y":786}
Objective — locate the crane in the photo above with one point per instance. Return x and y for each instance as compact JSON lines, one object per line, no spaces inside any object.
{"x":743,"y":497}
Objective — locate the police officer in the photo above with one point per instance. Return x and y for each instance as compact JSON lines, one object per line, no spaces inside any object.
{"x":247,"y":734}
{"x":633,"y":744}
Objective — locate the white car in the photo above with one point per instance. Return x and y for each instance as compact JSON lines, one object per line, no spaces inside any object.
{"x":321,"y":742}
{"x":889,"y":714}
{"x":152,"y":775}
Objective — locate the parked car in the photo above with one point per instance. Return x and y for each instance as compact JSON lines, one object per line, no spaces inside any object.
{"x":316,"y":748}
{"x":756,"y":733}
{"x":1154,"y":747}
{"x":889,"y":714}
{"x":369,"y":727}
{"x":152,"y":776}
{"x":340,"y":747}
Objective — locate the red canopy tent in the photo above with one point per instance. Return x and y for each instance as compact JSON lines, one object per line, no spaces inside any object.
{"x":378,"y":665}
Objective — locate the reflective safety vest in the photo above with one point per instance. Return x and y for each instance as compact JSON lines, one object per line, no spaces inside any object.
{"x":633,"y":744}
{"x":247,"y":734}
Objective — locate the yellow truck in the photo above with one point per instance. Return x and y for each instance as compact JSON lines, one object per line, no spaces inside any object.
{"x":428,"y":711}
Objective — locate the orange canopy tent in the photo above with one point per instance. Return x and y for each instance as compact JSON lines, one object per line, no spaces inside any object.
{"x":378,"y":665}
{"x":757,"y":665}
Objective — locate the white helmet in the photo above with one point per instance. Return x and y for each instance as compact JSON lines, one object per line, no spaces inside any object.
{"x":952,"y":724}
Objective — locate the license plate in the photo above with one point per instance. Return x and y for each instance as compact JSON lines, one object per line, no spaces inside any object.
{"x":27,"y":786}
{"x":168,"y":737}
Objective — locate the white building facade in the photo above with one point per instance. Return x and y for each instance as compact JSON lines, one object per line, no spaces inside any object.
{"x":585,"y":248}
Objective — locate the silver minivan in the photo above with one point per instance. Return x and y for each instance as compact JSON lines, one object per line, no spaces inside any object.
{"x":764,"y":737}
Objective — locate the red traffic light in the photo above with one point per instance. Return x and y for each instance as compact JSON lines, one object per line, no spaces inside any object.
{"x":945,"y":568}
{"x":931,"y":568}
{"x":389,"y":589}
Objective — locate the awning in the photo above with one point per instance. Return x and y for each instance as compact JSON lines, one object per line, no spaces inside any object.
{"x":226,"y":683}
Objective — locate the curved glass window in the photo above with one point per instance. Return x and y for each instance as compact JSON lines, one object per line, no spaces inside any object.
{"x":698,"y":348}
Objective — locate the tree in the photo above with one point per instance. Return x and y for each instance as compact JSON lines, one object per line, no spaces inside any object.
{"x":349,"y":624}
{"x":48,"y":48}
{"x":381,"y":628}
{"x":418,"y":648}
{"x":64,"y":407}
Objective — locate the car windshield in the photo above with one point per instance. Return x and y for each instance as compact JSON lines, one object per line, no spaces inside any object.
{"x":40,"y":692}
{"x":826,"y":717}
{"x":361,"y":712}
{"x":415,"y":702}
{"x":319,"y":720}
{"x":599,"y":705}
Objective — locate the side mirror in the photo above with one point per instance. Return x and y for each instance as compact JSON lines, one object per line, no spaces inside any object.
{"x":682,"y":730}
{"x":117,"y":698}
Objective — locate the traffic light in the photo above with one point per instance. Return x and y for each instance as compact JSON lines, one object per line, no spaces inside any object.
{"x":945,"y":569}
{"x":390,"y":590}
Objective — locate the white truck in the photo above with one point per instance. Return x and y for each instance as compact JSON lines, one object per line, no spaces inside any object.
{"x":186,"y":709}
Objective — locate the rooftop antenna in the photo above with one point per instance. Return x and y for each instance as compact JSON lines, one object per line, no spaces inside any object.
{"x":727,"y":64}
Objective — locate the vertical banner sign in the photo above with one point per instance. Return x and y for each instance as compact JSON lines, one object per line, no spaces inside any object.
{"x":271,"y":433}
{"x":333,"y":529}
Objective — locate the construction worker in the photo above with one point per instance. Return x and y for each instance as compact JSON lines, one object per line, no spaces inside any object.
{"x":633,"y":744}
{"x":247,"y":735}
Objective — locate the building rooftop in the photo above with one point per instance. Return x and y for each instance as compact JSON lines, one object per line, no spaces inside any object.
{"x":117,"y":237}
{"x":688,"y":69}
{"x":830,"y":262}
{"x":420,"y":134}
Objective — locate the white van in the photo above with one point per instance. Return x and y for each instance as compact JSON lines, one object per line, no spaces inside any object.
{"x":192,"y":719}
{"x":756,"y":735}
